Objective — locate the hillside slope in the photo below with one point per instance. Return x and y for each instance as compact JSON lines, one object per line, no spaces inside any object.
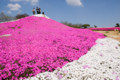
{"x":36,"y":44}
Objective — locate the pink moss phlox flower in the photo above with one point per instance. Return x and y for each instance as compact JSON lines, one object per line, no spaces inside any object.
{"x":86,"y":66}
{"x":101,"y":54}
{"x":117,"y":78}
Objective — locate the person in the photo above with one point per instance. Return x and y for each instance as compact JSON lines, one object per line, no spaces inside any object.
{"x":33,"y":11}
{"x":39,"y":11}
{"x":43,"y":14}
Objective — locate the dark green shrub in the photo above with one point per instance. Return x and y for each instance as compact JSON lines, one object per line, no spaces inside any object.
{"x":21,"y":16}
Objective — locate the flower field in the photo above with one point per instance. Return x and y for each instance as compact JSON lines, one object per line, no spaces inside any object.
{"x":106,"y":29}
{"x":34,"y":45}
{"x":100,"y":63}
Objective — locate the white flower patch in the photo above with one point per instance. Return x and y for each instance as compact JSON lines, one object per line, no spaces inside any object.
{"x":5,"y":35}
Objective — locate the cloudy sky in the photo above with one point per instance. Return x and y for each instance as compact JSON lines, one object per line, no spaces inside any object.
{"x":103,"y":13}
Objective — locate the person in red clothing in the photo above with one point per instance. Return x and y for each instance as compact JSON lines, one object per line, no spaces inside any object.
{"x":33,"y":11}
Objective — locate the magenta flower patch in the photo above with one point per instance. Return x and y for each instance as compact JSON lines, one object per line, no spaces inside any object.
{"x":37,"y":44}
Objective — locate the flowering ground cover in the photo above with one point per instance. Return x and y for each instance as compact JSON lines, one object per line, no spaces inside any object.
{"x":106,"y":29}
{"x":102,"y":62}
{"x":36,"y":44}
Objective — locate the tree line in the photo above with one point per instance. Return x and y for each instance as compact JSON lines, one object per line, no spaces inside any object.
{"x":84,"y":25}
{"x":5,"y":18}
{"x":76,"y":25}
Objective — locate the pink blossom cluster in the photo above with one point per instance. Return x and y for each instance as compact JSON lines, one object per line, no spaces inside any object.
{"x":106,"y":29}
{"x":38,"y":44}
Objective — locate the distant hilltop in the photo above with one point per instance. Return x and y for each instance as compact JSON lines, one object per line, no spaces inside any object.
{"x":41,"y":15}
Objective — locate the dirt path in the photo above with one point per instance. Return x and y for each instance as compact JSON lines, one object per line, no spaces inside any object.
{"x":111,"y":34}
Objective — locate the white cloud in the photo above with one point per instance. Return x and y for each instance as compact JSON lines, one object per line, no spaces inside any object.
{"x":33,"y":2}
{"x":74,"y":2}
{"x":9,"y":12}
{"x":14,"y":7}
{"x":15,"y":0}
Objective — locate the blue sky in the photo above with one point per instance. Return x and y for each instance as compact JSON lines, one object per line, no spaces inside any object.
{"x":103,"y":13}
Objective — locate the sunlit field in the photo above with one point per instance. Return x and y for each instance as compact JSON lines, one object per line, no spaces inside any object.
{"x":39,"y":48}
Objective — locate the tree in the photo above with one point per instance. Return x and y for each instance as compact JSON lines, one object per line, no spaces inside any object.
{"x":85,"y":25}
{"x":95,"y":26}
{"x":117,"y":25}
{"x":4,"y":17}
{"x":18,"y":16}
